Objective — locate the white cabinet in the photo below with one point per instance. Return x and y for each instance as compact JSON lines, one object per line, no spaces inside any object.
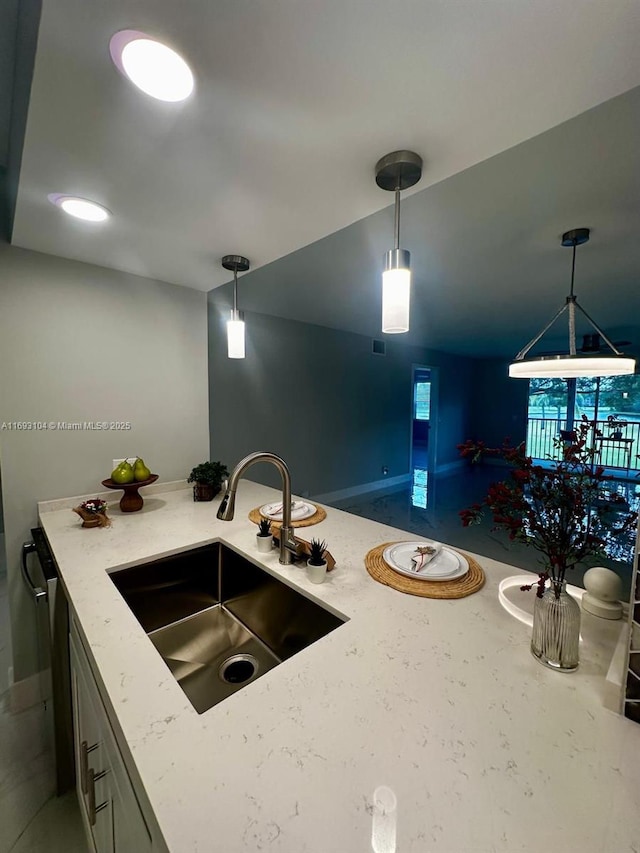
{"x":113,"y":819}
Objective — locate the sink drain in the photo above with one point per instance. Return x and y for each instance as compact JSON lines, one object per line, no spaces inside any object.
{"x":238,"y":669}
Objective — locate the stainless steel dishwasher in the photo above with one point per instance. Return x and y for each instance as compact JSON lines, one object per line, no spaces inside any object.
{"x":52,"y":616}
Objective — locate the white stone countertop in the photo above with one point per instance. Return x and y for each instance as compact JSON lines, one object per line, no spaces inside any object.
{"x":486,"y":750}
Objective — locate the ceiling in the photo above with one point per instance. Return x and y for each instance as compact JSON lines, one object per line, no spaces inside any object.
{"x":489,"y":270}
{"x":294,"y":104}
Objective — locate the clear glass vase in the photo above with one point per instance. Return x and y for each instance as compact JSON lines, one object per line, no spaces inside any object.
{"x":556,"y":629}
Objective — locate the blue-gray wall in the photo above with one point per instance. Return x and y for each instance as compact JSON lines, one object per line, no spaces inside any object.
{"x":322,"y":400}
{"x":499,"y":404}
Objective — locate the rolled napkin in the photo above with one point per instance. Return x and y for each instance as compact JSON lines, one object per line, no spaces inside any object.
{"x":425,"y":552}
{"x":277,"y":510}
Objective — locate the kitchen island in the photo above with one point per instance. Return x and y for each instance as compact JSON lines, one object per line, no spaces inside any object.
{"x":485,"y":749}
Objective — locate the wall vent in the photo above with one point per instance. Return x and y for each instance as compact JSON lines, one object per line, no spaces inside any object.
{"x":378,"y":347}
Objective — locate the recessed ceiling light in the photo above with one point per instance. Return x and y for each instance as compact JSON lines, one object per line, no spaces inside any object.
{"x":81,"y":208}
{"x":152,"y":66}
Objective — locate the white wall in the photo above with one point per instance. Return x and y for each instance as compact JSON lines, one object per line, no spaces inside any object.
{"x":84,"y":343}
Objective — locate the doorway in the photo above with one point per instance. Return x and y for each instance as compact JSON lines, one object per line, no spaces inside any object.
{"x":422,"y":442}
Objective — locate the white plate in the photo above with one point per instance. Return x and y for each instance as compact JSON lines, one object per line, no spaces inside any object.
{"x":299,"y":510}
{"x":447,"y":565}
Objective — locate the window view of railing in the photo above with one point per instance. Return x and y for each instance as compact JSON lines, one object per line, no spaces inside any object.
{"x":611,"y":403}
{"x":620,"y":451}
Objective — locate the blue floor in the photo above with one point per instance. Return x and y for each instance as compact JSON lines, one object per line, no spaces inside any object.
{"x":430,"y":506}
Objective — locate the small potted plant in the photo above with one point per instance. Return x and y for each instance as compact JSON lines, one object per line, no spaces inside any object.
{"x":264,"y":538}
{"x":208,"y":477}
{"x":616,"y":426}
{"x":93,"y":513}
{"x":317,"y":564}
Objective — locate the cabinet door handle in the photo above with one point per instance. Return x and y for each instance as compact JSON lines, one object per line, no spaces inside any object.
{"x":93,"y":808}
{"x":85,"y":749}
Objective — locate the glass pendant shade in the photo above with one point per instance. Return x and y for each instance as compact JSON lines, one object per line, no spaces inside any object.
{"x":396,"y":292}
{"x":235,"y":336}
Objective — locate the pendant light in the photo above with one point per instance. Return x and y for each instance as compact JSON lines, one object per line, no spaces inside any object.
{"x":235,"y":325}
{"x":573,"y":364}
{"x":395,"y":172}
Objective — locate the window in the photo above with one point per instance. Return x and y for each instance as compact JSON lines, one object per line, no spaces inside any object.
{"x":548,"y":399}
{"x":613,"y":402}
{"x":422,"y":401}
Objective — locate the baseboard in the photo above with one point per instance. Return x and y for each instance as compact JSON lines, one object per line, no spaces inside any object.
{"x":391,"y":483}
{"x":29,"y":691}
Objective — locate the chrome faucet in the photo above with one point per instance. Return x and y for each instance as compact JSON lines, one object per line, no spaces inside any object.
{"x":289,"y":549}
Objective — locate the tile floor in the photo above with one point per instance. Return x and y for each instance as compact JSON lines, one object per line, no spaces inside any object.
{"x":32,"y":818}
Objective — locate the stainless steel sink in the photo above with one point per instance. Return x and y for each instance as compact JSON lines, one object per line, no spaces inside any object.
{"x":218,"y":620}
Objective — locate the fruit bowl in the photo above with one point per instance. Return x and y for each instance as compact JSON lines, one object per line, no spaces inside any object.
{"x":131,"y":501}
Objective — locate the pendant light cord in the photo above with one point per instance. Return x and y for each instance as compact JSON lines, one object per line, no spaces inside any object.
{"x":235,"y":294}
{"x":396,"y":223}
{"x":572,"y":306}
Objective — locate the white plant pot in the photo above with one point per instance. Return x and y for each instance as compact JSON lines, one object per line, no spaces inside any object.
{"x":317,"y":574}
{"x":264,"y":543}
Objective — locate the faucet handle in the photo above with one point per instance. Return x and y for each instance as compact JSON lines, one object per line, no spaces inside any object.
{"x":292,"y":543}
{"x":300,"y":548}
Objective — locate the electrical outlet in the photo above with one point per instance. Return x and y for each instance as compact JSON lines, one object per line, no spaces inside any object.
{"x":385,"y":470}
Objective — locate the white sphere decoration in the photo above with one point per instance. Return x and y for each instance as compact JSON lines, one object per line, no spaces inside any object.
{"x":604,"y":589}
{"x":603,"y":583}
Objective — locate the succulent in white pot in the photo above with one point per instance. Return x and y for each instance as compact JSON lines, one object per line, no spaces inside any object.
{"x":264,"y":537}
{"x":317,"y":564}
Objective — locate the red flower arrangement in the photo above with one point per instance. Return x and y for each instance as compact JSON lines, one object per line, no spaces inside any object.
{"x":561,"y":508}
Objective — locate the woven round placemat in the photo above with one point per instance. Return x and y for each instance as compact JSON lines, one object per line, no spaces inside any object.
{"x":459,"y":588}
{"x":319,"y":515}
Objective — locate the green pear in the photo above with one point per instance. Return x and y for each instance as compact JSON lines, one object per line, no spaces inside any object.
{"x":140,"y":471}
{"x":122,"y":473}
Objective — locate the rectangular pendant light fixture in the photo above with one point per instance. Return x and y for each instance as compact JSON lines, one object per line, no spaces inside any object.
{"x":396,"y":291}
{"x":235,"y":336}
{"x":395,"y":172}
{"x":235,"y":325}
